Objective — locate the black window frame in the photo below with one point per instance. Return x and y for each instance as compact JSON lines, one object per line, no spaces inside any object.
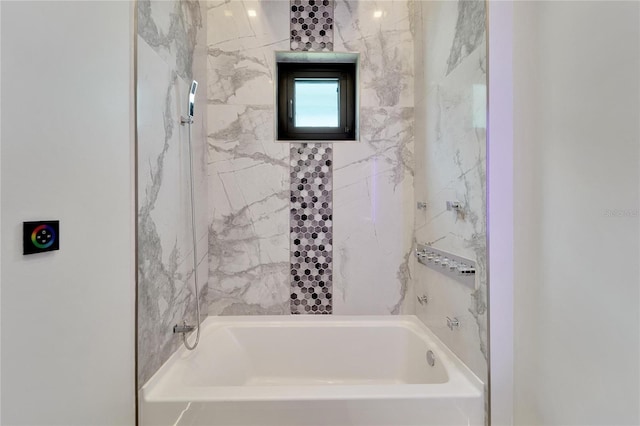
{"x":345,"y":73}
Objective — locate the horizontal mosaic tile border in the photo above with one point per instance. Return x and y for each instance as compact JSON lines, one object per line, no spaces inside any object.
{"x":311,"y":229}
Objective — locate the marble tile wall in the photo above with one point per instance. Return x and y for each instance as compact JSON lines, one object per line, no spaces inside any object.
{"x":249,"y":194}
{"x":170,"y":53}
{"x":373,"y":178}
{"x":249,"y":173}
{"x":245,"y":175}
{"x":450,"y":131}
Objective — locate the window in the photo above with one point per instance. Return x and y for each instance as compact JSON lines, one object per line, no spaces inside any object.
{"x":316,"y":101}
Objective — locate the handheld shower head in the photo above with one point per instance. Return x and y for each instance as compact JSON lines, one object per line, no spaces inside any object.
{"x":192,"y":96}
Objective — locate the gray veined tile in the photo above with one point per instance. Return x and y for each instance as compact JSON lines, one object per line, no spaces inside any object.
{"x":232,"y":71}
{"x":171,"y":29}
{"x":470,"y":28}
{"x":385,"y":46}
{"x":451,"y":166}
{"x":168,"y":57}
{"x":163,"y":271}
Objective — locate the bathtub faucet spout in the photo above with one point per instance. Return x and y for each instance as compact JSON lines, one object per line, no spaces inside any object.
{"x":184,"y":328}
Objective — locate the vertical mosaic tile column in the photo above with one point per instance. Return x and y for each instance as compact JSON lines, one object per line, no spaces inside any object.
{"x":311,"y":214}
{"x":311,"y":229}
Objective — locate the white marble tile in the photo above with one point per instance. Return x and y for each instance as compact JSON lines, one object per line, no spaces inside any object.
{"x":244,"y":162}
{"x":171,"y":29}
{"x":248,"y":171}
{"x":372,"y":244}
{"x":373,"y":215}
{"x":450,"y":298}
{"x":233,"y":25}
{"x":242,"y":50}
{"x":373,"y":179}
{"x":385,"y":44}
{"x":166,"y":279}
{"x":249,"y":206}
{"x":450,"y":154}
{"x":199,"y":128}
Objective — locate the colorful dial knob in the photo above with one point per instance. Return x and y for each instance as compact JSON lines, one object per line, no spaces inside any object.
{"x":43,"y":236}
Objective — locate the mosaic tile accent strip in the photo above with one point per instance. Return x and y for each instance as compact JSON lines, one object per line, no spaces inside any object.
{"x":311,"y":181}
{"x":312,"y":25}
{"x":311,"y":229}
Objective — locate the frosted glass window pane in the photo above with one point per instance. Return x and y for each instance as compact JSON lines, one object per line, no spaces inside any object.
{"x":317,"y":103}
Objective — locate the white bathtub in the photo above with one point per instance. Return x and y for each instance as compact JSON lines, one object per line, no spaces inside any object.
{"x":312,"y":370}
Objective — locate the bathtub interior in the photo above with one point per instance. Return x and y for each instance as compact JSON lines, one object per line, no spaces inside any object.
{"x":309,"y":354}
{"x":351,"y":371}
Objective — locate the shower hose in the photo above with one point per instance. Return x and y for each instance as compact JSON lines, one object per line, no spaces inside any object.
{"x":195,"y":254}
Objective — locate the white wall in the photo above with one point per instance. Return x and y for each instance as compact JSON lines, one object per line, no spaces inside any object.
{"x":0,"y":215}
{"x":500,"y":207}
{"x":576,"y":94}
{"x":68,"y":316}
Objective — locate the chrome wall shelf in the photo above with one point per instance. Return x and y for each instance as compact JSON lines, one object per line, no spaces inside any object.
{"x":456,"y":267}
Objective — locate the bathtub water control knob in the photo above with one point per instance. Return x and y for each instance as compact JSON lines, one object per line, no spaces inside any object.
{"x":454,"y":206}
{"x":453,"y":323}
{"x":184,"y":328}
{"x":422,"y":254}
